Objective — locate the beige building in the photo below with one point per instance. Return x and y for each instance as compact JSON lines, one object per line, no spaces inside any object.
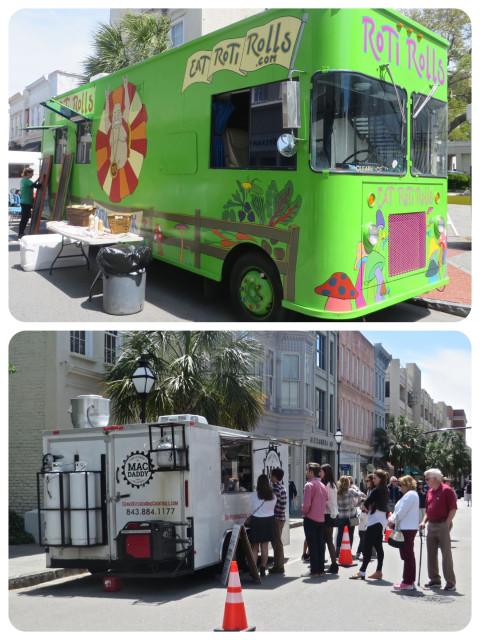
{"x":51,"y":367}
{"x":188,"y":24}
{"x":405,"y":397}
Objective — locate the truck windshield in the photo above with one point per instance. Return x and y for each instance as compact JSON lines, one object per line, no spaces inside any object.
{"x":429,"y":136}
{"x":357,"y":124}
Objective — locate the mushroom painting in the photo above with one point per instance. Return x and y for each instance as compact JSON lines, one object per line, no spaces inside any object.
{"x":373,"y":271}
{"x":339,"y":290}
{"x":182,"y":227}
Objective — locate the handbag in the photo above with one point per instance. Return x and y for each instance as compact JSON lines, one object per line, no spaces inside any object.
{"x":396,"y":539}
{"x":354,"y":521}
{"x":248,"y":519}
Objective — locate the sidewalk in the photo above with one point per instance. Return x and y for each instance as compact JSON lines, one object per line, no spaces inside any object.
{"x":27,"y":564}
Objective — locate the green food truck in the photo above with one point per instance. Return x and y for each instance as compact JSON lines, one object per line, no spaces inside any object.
{"x":298,"y":157}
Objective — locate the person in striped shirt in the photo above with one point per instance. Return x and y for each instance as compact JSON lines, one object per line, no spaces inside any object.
{"x":276,"y":476}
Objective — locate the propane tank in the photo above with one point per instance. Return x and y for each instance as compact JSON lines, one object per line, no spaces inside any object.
{"x":55,"y":484}
{"x":83,"y":495}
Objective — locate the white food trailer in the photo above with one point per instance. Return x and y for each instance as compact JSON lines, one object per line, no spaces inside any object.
{"x":149,"y":499}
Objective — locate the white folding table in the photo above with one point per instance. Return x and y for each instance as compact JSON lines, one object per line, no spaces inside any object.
{"x":81,"y":236}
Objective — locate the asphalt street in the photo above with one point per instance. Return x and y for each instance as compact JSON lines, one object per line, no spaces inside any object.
{"x":174,"y":295}
{"x":288,"y":603}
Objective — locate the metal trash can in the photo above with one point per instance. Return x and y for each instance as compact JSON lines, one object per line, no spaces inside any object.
{"x":124,"y":277}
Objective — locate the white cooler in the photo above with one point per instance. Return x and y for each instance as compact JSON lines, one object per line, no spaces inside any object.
{"x":38,"y":252}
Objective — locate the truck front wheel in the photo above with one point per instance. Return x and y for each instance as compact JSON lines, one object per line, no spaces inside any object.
{"x":256,"y":290}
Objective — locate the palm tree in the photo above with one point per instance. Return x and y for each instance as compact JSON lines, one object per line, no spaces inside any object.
{"x":208,"y":373}
{"x":401,"y":443}
{"x":134,"y":38}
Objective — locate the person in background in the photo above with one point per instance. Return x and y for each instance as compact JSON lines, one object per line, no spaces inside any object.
{"x":313,"y":511}
{"x":440,"y":509}
{"x":26,"y":199}
{"x":395,"y":493}
{"x":347,"y":498}
{"x":292,"y":494}
{"x":405,"y":519}
{"x":262,"y":526}
{"x":422,"y":494}
{"x":468,"y":493}
{"x":377,"y":505}
{"x":276,"y":476}
{"x":331,"y":513}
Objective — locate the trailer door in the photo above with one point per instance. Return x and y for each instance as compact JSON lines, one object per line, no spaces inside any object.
{"x":138,"y":492}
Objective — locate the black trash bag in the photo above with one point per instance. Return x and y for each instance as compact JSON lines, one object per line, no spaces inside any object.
{"x":122,"y":259}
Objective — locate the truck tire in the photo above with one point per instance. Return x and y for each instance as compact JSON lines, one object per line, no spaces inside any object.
{"x":255,"y":289}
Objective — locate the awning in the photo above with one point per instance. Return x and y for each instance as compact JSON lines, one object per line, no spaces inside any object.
{"x":42,"y":127}
{"x":65,"y":112}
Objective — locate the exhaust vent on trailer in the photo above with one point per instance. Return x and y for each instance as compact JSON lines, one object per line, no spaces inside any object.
{"x":184,"y":417}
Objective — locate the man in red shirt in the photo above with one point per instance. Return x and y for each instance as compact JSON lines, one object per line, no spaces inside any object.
{"x":440,"y":509}
{"x":313,"y":511}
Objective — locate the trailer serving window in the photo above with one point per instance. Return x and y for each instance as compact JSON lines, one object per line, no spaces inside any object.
{"x":357,"y":124}
{"x":429,"y":136}
{"x":246,"y":125}
{"x":236,"y":464}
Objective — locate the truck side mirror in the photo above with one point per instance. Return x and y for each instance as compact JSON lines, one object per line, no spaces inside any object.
{"x":287,"y":145}
{"x":291,"y":104}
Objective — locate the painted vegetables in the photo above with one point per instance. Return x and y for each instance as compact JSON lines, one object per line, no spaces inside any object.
{"x":250,"y":203}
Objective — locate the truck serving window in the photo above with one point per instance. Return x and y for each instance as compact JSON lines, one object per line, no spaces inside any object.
{"x":246,"y":125}
{"x":84,"y":143}
{"x":357,"y":124}
{"x":236,"y":465}
{"x":60,"y":144}
{"x":429,"y":136}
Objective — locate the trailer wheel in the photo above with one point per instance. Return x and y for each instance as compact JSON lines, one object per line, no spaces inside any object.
{"x":256,"y":290}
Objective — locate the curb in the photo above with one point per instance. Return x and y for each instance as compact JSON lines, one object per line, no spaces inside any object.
{"x":21,"y":582}
{"x":451,"y":308}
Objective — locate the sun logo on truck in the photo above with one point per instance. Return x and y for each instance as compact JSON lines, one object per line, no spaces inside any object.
{"x":137,"y":470}
{"x":121,"y":142}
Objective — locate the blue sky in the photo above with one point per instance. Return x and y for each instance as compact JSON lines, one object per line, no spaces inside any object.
{"x":43,"y":40}
{"x":444,"y":358}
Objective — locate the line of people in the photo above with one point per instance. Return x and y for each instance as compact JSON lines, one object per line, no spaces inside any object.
{"x":327,"y":505}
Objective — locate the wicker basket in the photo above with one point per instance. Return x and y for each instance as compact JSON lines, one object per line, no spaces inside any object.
{"x":78,"y":215}
{"x":119,"y":222}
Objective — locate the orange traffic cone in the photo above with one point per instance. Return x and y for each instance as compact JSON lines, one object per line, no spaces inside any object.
{"x":345,"y":556}
{"x":388,"y":531}
{"x":234,"y":618}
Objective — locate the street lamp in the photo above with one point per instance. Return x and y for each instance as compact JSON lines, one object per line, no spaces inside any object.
{"x":143,"y":380}
{"x":338,"y":439}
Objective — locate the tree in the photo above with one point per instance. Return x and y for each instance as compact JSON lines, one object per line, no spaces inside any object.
{"x":208,"y":373}
{"x":134,"y":38}
{"x":455,"y":26}
{"x":401,"y":443}
{"x":449,"y":452}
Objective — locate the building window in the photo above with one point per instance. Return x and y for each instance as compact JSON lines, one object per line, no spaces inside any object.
{"x":176,"y":34}
{"x":332,"y":358}
{"x":244,"y":131}
{"x":290,"y":380}
{"x":110,"y":347}
{"x":84,"y":143}
{"x":78,"y":342}
{"x":268,"y":388}
{"x":308,"y":378}
{"x":320,"y":409}
{"x":332,"y":414}
{"x":320,"y":360}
